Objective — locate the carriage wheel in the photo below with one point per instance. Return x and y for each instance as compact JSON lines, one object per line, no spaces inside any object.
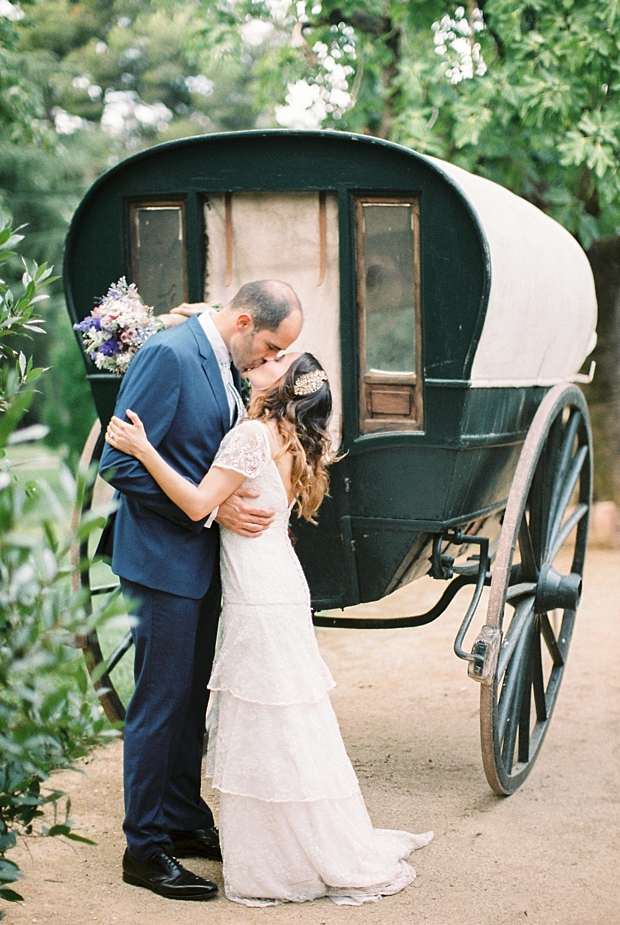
{"x":548,"y":505}
{"x":91,"y":579}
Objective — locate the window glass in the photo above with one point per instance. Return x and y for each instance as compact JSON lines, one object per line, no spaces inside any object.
{"x":158,"y":255}
{"x":389,"y":287}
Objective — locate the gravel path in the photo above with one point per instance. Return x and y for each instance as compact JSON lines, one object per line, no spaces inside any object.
{"x":409,"y":715}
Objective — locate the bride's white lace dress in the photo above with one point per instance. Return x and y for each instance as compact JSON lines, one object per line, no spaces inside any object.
{"x":293,"y":824}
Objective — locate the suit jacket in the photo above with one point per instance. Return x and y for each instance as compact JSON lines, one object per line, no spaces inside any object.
{"x":175,"y":386}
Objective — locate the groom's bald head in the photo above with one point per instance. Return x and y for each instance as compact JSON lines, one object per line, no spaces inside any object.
{"x":264,"y":318}
{"x":268,"y":302}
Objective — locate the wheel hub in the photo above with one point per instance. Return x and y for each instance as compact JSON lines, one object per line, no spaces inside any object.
{"x":557,"y":591}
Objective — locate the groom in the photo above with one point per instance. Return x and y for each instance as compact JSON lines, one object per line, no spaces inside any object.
{"x":183,"y":387}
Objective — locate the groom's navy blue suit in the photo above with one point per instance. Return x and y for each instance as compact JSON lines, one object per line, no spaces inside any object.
{"x":170,"y":564}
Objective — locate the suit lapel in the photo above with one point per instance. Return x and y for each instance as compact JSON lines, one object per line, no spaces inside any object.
{"x":212,"y":370}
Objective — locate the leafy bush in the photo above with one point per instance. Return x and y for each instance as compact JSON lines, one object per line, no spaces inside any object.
{"x":49,"y":716}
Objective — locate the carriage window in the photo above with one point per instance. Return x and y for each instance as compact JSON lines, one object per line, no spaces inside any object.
{"x":388,"y":297}
{"x":157,"y":240}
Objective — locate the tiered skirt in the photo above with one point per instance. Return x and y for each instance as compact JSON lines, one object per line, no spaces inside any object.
{"x":293,"y":823}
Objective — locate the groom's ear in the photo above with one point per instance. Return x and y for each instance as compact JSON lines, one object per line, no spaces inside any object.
{"x":244,"y":323}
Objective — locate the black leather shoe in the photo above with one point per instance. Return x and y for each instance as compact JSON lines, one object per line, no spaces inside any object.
{"x":197,"y":843}
{"x":163,"y":874}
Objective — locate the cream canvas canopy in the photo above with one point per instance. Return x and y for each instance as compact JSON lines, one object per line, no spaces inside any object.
{"x":540,"y":322}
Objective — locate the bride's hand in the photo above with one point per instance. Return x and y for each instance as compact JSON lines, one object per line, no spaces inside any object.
{"x":181,"y":313}
{"x":171,"y":320}
{"x":187,"y":309}
{"x":128,"y":438}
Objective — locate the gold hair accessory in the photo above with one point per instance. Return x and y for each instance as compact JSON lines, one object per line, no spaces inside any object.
{"x":309,"y":383}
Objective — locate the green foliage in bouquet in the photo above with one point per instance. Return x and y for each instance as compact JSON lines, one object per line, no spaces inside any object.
{"x":49,"y":716}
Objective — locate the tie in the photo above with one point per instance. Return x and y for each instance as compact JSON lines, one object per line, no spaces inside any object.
{"x":235,"y":403}
{"x":239,"y":408}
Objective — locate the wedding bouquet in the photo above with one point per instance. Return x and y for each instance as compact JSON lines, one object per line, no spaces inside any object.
{"x":117,"y":327}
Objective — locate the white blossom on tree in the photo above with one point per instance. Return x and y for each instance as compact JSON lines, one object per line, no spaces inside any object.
{"x":124,"y":113}
{"x":455,"y":39}
{"x":11,"y":11}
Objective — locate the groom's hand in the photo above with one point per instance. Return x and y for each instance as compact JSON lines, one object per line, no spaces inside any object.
{"x":242,"y":518}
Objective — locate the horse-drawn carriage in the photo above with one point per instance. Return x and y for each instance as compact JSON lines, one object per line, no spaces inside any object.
{"x":452,"y":318}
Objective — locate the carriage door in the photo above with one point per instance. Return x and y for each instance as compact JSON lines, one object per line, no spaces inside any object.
{"x":291,"y":236}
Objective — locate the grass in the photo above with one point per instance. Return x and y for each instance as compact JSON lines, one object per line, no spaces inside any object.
{"x":33,"y":462}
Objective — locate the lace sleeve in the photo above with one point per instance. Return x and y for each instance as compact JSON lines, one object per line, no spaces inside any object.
{"x":245,"y":449}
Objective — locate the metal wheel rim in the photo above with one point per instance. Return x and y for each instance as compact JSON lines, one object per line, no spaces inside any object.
{"x":502,"y":780}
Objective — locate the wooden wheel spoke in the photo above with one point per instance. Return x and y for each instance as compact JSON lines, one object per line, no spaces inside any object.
{"x":523,"y":613}
{"x":529,"y":569}
{"x":537,"y":518}
{"x":580,"y":511}
{"x":520,"y":590}
{"x":524,"y":712}
{"x":568,"y":487}
{"x":519,"y":682}
{"x":513,"y":679}
{"x":564,"y":458}
{"x":551,"y":641}
{"x":538,"y":682}
{"x":124,"y":646}
{"x":541,"y":491}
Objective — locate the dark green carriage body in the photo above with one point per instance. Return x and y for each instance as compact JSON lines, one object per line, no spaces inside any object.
{"x":392,"y":491}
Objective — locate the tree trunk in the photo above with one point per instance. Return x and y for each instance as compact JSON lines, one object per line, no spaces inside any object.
{"x":603,"y":393}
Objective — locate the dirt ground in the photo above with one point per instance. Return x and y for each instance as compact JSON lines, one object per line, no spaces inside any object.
{"x":409,"y":715}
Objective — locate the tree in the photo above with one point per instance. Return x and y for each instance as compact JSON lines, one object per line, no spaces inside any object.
{"x":521,"y":93}
{"x":20,"y":100}
{"x":525,"y":94}
{"x":49,"y":716}
{"x":102,"y":79}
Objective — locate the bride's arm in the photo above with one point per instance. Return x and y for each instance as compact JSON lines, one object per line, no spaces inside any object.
{"x":197,"y":501}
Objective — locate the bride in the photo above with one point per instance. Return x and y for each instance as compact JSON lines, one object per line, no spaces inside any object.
{"x":293,"y":823}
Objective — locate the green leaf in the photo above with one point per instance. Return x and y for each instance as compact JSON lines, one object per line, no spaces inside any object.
{"x":82,"y":680}
{"x":9,"y":871}
{"x":57,"y":830}
{"x":80,"y":838}
{"x":11,"y":240}
{"x":10,"y":895}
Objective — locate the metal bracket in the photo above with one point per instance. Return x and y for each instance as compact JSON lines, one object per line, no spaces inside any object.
{"x":441,"y":566}
{"x":483,"y":577}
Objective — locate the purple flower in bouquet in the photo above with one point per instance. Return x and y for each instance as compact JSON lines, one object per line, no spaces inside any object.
{"x":110,"y":348}
{"x":117,"y":327}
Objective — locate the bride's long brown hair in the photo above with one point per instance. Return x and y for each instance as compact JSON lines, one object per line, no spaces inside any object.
{"x":301,"y":421}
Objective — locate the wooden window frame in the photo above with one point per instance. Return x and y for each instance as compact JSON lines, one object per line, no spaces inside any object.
{"x":169,"y":203}
{"x":388,"y":401}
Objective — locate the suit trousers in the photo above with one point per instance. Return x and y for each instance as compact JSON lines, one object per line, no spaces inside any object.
{"x":165,"y":724}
